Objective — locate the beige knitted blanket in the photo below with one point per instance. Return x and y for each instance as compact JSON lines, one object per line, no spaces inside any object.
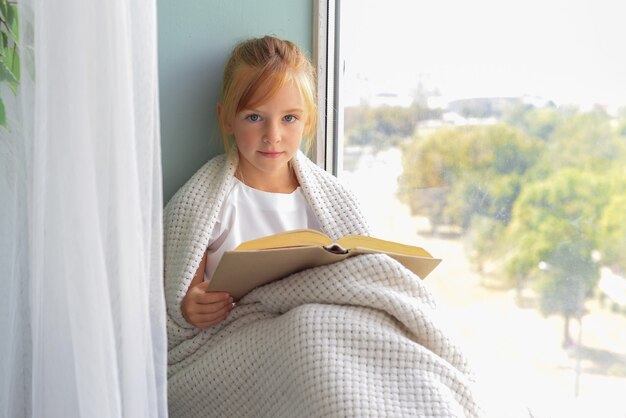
{"x":355,"y":338}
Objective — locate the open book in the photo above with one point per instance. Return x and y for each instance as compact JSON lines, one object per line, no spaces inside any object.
{"x":263,"y":260}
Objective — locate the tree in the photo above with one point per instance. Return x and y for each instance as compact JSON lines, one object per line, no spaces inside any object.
{"x":534,"y":122}
{"x":482,"y":240}
{"x":457,"y":173}
{"x":430,"y":168}
{"x":586,"y":141}
{"x":612,"y":231}
{"x":555,"y":223}
{"x":379,"y":127}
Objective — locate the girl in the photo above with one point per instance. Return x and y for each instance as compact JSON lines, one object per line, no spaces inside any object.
{"x":267,"y":106}
{"x":352,"y":338}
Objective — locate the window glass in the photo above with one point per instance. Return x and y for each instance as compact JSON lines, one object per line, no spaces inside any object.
{"x":493,"y":134}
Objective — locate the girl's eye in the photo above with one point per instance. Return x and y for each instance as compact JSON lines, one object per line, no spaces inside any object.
{"x":289,"y":118}
{"x":253,"y":117}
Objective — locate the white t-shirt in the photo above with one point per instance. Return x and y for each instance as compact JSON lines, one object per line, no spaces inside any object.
{"x":249,"y":213}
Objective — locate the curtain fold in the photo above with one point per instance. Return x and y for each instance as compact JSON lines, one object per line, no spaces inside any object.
{"x":81,"y":297}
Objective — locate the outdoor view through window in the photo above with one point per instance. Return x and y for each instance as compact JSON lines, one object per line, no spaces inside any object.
{"x":493,"y":134}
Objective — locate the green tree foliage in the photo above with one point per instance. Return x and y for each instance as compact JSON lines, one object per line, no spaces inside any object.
{"x":612,"y":230}
{"x":483,"y":240}
{"x":379,"y":127}
{"x":534,"y":122}
{"x":555,"y":222}
{"x":422,"y":112}
{"x":621,"y":123}
{"x":564,"y":208}
{"x":457,"y":173}
{"x":9,"y":56}
{"x":548,"y":187}
{"x":585,"y":141}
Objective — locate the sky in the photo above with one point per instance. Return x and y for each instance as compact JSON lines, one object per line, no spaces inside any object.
{"x":571,"y":52}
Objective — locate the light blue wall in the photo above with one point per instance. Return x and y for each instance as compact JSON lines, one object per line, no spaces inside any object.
{"x":195,"y":37}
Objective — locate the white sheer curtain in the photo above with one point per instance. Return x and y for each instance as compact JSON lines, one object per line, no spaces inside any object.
{"x":82,"y":321}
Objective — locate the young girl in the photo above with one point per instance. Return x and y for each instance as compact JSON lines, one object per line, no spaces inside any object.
{"x":349,"y":339}
{"x":267,"y":106}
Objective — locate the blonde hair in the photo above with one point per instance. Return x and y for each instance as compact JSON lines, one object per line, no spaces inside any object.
{"x":261,"y":66}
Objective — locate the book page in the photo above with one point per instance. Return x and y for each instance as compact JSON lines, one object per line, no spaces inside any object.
{"x":354,"y":241}
{"x":294,"y":238}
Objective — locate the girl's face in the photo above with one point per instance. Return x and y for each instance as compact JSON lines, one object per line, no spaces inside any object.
{"x":268,"y":136}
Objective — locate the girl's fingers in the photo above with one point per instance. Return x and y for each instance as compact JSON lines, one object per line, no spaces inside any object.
{"x":211,"y":297}
{"x":209,"y":315}
{"x":207,"y":323}
{"x":208,"y":299}
{"x":209,"y":308}
{"x":206,"y":316}
{"x":204,"y":309}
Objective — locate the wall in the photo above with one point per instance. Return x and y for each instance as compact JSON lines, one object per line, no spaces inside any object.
{"x":195,"y":37}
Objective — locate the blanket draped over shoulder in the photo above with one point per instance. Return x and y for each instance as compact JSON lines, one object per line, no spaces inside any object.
{"x":356,"y":338}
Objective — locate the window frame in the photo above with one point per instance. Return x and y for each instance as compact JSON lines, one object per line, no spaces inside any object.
{"x":328,"y":143}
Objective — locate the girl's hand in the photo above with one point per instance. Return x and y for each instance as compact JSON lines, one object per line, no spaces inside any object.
{"x":204,"y":309}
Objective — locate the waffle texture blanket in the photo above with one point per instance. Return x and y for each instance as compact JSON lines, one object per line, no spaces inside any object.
{"x":356,"y":338}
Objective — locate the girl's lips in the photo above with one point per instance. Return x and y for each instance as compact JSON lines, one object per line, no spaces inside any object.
{"x":271,"y":154}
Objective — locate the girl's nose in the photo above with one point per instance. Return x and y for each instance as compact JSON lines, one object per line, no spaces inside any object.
{"x":272,"y":133}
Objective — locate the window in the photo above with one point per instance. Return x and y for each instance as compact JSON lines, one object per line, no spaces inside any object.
{"x":493,"y":133}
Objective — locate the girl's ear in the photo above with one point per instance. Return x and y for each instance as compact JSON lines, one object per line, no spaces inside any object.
{"x":226,"y":127}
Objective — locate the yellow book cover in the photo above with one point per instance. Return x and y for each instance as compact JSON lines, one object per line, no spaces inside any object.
{"x":263,"y":260}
